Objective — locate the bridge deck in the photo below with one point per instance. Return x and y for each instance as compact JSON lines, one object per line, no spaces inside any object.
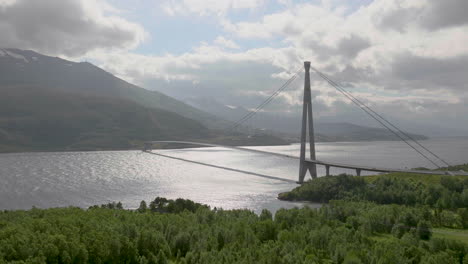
{"x":325,"y":163}
{"x":377,"y":169}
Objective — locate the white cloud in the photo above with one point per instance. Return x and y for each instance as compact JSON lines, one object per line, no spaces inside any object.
{"x":66,"y":27}
{"x":4,"y":3}
{"x":207,"y":7}
{"x":282,"y":75}
{"x":191,"y":66}
{"x":354,"y":48}
{"x":223,"y":42}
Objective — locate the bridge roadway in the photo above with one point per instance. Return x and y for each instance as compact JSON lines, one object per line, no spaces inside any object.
{"x":327,"y":164}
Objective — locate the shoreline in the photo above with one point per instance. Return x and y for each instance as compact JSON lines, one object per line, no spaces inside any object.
{"x":203,"y":141}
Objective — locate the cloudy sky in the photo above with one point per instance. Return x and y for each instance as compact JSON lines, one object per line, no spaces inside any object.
{"x":408,"y":59}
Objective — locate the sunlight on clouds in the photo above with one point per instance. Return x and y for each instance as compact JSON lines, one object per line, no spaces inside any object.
{"x":5,"y":3}
{"x":207,"y":7}
{"x":282,"y":75}
{"x":226,"y":43}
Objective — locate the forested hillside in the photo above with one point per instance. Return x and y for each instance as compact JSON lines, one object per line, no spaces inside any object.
{"x":433,"y":201}
{"x":37,"y":118}
{"x":441,"y":200}
{"x":51,"y":104}
{"x":29,"y":68}
{"x":446,"y":192}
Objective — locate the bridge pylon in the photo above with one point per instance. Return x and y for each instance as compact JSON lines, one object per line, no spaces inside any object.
{"x":307,"y":121}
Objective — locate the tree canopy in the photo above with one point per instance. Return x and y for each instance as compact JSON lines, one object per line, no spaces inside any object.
{"x":182,"y":231}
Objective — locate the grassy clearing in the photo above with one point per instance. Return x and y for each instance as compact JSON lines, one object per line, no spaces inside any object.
{"x":460,"y":235}
{"x":383,"y":237}
{"x":455,"y":234}
{"x":423,"y":178}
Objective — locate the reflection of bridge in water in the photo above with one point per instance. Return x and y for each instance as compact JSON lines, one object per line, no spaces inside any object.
{"x":309,"y":164}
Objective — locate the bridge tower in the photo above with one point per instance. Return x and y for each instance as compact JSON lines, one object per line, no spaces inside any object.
{"x":307,"y":119}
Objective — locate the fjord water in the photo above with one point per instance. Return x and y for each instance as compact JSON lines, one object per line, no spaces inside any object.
{"x":58,"y":179}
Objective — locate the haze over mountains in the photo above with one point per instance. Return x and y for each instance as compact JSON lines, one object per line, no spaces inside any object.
{"x":290,"y":124}
{"x":48,"y":103}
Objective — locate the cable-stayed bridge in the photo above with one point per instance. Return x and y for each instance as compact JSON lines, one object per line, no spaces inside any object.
{"x":308,"y":164}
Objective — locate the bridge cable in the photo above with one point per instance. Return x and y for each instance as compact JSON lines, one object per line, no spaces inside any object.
{"x":376,"y":116}
{"x":355,"y":101}
{"x":384,"y":119}
{"x":400,"y":131}
{"x":264,"y":103}
{"x":223,"y":168}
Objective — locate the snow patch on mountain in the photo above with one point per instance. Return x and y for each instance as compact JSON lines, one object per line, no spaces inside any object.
{"x":11,"y":54}
{"x":16,"y":56}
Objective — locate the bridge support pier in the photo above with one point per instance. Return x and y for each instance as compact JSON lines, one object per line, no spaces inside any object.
{"x":307,"y":121}
{"x":358,"y":172}
{"x":327,"y":168}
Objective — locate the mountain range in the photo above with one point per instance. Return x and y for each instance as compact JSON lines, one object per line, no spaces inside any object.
{"x":25,"y":67}
{"x":49,"y":104}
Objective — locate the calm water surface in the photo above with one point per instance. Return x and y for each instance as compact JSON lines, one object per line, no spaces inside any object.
{"x":88,"y":178}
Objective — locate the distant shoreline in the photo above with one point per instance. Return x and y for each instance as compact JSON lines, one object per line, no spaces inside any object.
{"x":186,"y":146}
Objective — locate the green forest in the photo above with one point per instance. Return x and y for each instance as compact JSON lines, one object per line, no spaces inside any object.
{"x":182,"y":231}
{"x":391,"y":218}
{"x":444,"y":197}
{"x":435,"y":191}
